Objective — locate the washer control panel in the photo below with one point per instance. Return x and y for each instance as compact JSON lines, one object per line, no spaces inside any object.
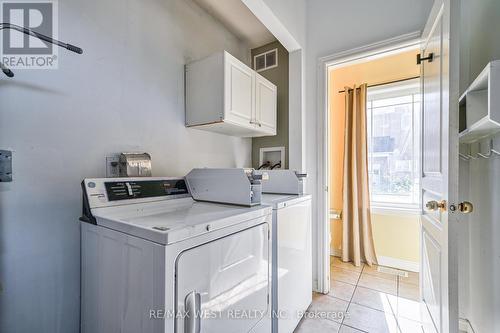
{"x":122,"y":190}
{"x":102,"y":192}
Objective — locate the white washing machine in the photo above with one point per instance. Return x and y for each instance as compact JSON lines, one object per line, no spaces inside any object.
{"x":292,"y":259}
{"x":155,"y":260}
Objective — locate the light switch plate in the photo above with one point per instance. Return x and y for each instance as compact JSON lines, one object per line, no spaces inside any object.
{"x":5,"y":166}
{"x":112,"y":169}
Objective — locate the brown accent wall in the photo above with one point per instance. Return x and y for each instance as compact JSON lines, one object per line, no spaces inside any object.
{"x":278,"y":76}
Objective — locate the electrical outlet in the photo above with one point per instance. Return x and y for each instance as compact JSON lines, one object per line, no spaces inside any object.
{"x":112,"y":166}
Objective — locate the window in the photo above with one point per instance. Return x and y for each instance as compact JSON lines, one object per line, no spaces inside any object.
{"x":393,"y":125}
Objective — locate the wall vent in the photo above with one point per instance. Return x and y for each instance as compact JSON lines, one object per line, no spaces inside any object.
{"x":266,"y":60}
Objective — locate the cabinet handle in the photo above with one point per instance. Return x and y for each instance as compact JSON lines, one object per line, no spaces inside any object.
{"x":256,"y":123}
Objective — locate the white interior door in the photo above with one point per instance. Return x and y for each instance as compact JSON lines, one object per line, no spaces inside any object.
{"x":439,"y":167}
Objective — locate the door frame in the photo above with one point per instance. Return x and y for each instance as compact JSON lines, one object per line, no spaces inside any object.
{"x":357,"y":55}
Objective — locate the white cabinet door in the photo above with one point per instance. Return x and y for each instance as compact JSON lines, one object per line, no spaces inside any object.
{"x":238,"y":92}
{"x":265,"y":105}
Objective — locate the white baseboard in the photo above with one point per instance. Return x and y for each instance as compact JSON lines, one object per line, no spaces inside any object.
{"x":465,"y":325}
{"x":406,"y":265}
{"x":315,"y":286}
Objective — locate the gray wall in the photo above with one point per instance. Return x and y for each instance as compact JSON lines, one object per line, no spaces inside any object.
{"x":278,"y":76}
{"x":480,"y":269}
{"x":480,"y":31}
{"x":125,"y":93}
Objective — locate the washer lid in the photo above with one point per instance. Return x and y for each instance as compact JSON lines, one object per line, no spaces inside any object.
{"x":170,"y":221}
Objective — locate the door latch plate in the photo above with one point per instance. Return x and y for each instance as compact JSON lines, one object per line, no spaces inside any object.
{"x":5,"y":166}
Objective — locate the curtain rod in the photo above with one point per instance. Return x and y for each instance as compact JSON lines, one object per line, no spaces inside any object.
{"x":388,"y":82}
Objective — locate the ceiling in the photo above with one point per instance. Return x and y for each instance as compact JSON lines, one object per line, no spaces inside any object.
{"x":239,"y":20}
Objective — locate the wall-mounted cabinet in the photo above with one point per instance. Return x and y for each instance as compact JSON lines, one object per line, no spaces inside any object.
{"x":226,"y":96}
{"x":479,"y":106}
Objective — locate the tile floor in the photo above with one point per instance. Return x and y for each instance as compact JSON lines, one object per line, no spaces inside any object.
{"x":362,"y":299}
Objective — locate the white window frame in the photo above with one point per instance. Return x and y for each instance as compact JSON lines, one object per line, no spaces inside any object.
{"x":265,"y":59}
{"x":409,"y":87}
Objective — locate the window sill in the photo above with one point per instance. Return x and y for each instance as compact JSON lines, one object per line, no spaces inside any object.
{"x":388,"y":210}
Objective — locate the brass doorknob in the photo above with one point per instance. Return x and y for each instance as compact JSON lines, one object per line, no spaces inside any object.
{"x":435,"y":205}
{"x":465,"y":207}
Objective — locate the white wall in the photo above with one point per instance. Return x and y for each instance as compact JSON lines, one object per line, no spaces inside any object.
{"x":292,"y":14}
{"x":479,"y":261}
{"x":483,"y":303}
{"x":463,"y":241}
{"x":337,"y":25}
{"x":125,"y":93}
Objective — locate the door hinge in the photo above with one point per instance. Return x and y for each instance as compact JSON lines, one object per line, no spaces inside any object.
{"x":429,"y":58}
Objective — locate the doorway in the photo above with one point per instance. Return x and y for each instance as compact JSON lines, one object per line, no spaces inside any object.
{"x":439,"y":157}
{"x":384,"y":296}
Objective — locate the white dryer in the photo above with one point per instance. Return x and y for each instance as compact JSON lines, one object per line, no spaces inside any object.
{"x":292,"y":253}
{"x":292,"y":259}
{"x":154,"y":260}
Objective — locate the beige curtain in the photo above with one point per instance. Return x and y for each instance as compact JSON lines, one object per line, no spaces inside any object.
{"x":357,"y":239}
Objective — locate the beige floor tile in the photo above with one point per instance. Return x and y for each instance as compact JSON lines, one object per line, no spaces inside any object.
{"x":410,"y":309}
{"x":429,"y":328}
{"x":347,"y":329}
{"x":388,"y":286}
{"x":411,"y":279}
{"x":328,"y":307}
{"x":370,"y":320}
{"x":408,"y":290}
{"x":344,"y":275}
{"x":337,"y":262}
{"x":409,"y":326}
{"x":375,"y":299}
{"x":341,"y":290}
{"x":373,"y":270}
{"x":315,"y":325}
